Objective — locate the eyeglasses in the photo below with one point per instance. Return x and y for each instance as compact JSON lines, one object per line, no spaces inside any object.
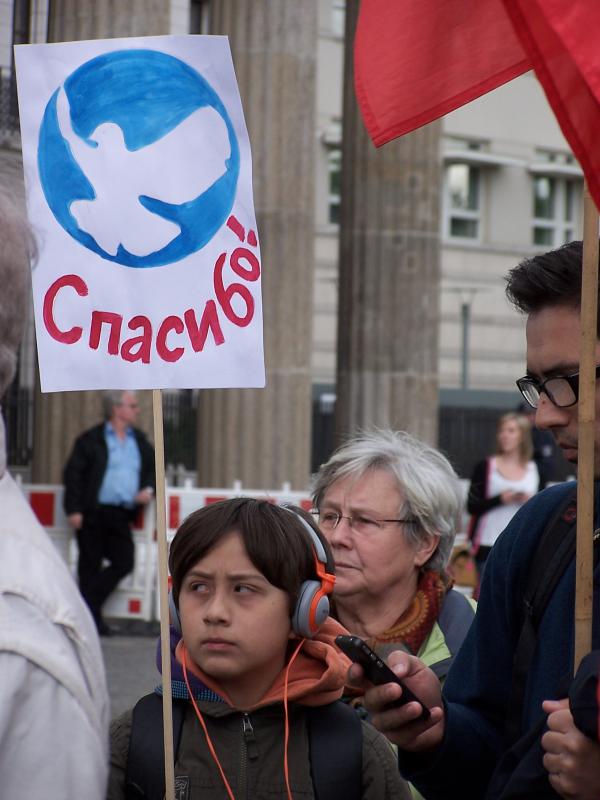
{"x":329,"y":520}
{"x":562,"y":390}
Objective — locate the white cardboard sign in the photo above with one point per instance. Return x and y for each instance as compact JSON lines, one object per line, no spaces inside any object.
{"x":139,"y":188}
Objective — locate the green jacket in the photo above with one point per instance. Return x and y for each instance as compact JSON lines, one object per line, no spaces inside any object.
{"x":435,"y":652}
{"x":250,"y":748}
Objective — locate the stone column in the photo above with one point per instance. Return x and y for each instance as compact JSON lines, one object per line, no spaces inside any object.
{"x":262,"y":437}
{"x":389,"y":274}
{"x":72,"y":20}
{"x":60,"y":417}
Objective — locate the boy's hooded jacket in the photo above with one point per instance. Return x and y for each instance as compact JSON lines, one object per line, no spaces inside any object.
{"x":250,"y":743}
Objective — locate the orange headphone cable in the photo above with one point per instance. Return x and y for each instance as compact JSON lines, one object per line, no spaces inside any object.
{"x":287,"y":725}
{"x":287,"y":722}
{"x":204,"y":728}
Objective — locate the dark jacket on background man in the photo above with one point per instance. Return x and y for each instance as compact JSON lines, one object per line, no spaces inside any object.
{"x":84,"y":471}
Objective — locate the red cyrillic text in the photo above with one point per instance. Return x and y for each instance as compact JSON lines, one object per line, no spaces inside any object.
{"x":114,"y":321}
{"x":73,"y":334}
{"x":235,"y":301}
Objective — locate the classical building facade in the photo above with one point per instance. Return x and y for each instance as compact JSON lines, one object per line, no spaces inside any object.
{"x":510,"y":188}
{"x":502,"y":184}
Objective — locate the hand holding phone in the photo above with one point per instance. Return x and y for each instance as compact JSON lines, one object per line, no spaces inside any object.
{"x":376,"y":670}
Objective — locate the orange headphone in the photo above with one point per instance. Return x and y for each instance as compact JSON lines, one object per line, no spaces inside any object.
{"x":312,"y":606}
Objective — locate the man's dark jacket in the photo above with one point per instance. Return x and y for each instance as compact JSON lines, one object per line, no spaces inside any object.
{"x":477,"y":690}
{"x":84,"y":471}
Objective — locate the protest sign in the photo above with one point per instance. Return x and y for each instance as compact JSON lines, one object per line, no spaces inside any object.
{"x":139,"y":188}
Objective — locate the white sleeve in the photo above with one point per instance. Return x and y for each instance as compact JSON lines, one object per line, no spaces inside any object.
{"x":48,"y":746}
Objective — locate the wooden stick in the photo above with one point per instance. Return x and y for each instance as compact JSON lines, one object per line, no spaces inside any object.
{"x":584,"y":581}
{"x":165,"y":637}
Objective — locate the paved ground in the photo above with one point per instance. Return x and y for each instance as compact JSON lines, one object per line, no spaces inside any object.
{"x":130,"y":668}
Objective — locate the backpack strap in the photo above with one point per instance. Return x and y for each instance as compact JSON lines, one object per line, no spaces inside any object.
{"x":554,"y":553}
{"x":454,"y":620}
{"x":145,"y":773}
{"x":335,"y":747}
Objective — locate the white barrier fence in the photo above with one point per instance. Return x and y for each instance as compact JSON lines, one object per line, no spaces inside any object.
{"x":136,"y":597}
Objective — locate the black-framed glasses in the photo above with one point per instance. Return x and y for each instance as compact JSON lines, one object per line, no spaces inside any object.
{"x":361,"y":523}
{"x":562,"y":390}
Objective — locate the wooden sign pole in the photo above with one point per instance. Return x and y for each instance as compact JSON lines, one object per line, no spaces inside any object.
{"x":165,"y":637}
{"x":584,"y":582}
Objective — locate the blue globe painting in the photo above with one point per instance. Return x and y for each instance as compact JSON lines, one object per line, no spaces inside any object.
{"x":138,"y":158}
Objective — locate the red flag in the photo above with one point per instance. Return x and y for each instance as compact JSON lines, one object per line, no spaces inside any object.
{"x":415,"y":60}
{"x":561,"y":38}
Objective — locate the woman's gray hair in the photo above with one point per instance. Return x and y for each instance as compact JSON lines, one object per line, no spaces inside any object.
{"x":430,"y":487}
{"x":17,"y":249}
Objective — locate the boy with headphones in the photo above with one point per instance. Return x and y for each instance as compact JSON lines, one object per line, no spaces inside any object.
{"x":257,"y":671}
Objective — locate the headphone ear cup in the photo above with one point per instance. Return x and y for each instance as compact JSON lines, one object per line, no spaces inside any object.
{"x":321,"y":606}
{"x":312,"y":609}
{"x":174,"y":614}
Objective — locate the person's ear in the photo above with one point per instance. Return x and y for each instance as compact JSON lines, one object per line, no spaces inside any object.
{"x":424,"y":552}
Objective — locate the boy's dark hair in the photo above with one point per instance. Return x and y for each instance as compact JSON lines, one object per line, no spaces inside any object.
{"x":546,"y":280}
{"x":275,"y":540}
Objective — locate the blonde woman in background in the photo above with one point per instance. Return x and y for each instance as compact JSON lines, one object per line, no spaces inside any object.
{"x":501,"y":484}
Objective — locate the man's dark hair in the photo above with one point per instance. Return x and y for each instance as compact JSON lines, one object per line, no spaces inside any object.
{"x":546,"y":280}
{"x":275,"y":540}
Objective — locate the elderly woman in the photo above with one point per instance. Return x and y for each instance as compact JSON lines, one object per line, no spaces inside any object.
{"x":390,"y":506}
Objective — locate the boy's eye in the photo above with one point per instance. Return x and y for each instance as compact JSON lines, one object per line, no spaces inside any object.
{"x":243,"y":588}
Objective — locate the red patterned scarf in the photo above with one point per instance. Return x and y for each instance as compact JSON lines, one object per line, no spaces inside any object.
{"x":415,"y":624}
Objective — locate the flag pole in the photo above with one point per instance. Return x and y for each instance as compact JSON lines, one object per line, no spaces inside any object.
{"x":584,"y":580}
{"x":165,"y":636}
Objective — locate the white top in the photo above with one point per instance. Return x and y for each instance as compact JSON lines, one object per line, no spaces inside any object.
{"x":493,"y":522}
{"x":53,"y":698}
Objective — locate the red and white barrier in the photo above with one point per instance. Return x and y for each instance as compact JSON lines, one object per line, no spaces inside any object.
{"x":136,"y":597}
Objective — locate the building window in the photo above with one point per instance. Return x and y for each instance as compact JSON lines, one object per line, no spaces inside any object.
{"x":21,"y":22}
{"x":553,"y":210}
{"x":21,"y":34}
{"x":556,"y":183}
{"x":199,"y":16}
{"x":463,"y":198}
{"x":338,"y":17}
{"x":334,"y":164}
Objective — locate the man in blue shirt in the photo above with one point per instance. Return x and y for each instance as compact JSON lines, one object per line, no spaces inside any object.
{"x":108,"y":476}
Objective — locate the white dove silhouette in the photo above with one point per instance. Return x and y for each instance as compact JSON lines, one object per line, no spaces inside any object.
{"x":175,"y":169}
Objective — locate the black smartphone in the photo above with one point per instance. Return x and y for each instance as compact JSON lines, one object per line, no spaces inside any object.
{"x":376,"y":670}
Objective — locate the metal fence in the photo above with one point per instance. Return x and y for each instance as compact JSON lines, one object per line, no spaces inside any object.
{"x":17,"y":409}
{"x":179,"y":416}
{"x":9,"y":107}
{"x":180,"y":428}
{"x":466,"y":435}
